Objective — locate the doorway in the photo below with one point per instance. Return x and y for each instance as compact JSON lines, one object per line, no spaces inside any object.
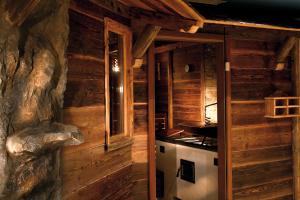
{"x":189,"y":95}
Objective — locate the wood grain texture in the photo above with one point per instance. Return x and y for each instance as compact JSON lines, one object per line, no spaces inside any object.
{"x":261,"y":147}
{"x":151,"y":124}
{"x":186,"y":85}
{"x":90,"y":172}
{"x":296,"y":122}
{"x":140,"y":166}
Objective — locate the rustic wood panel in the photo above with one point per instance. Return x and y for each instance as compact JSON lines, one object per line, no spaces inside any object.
{"x":89,"y":171}
{"x":86,"y":35}
{"x":90,"y":120}
{"x":248,"y":175}
{"x":275,"y":190}
{"x":162,"y":62}
{"x":210,"y":70}
{"x":261,"y":147}
{"x":108,"y":187}
{"x":140,"y":144}
{"x":87,"y":166}
{"x":185,"y":92}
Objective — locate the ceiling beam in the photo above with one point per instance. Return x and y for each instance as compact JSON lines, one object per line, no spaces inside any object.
{"x":185,"y":10}
{"x":284,"y":52}
{"x":143,"y":42}
{"x":165,"y":21}
{"x":187,"y":37}
{"x":114,"y":6}
{"x":18,"y":11}
{"x":171,"y":47}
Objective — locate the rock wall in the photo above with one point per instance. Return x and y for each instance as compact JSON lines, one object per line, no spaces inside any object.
{"x":33,"y":39}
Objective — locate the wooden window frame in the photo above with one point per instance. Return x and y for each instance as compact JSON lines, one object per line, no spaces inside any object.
{"x":117,"y":141}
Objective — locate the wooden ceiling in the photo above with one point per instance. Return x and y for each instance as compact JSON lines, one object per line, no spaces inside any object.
{"x":177,"y":8}
{"x":154,"y":5}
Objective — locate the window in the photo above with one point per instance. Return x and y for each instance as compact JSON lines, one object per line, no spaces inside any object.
{"x":118,"y":83}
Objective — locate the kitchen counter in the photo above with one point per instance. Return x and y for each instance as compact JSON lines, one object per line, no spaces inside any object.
{"x":194,"y":141}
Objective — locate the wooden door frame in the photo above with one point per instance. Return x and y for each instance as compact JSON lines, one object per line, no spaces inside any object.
{"x":151,"y":123}
{"x":222,"y":116}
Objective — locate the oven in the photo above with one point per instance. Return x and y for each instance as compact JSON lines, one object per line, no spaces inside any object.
{"x":198,"y":174}
{"x":185,"y":172}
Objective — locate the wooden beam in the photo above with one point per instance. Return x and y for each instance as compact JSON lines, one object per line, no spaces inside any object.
{"x":228,"y":120}
{"x":186,"y":11}
{"x":144,"y":41}
{"x":187,"y":37}
{"x":248,"y":24}
{"x":170,"y":91}
{"x":171,"y":47}
{"x":296,"y":122}
{"x":151,"y":123}
{"x":113,"y":6}
{"x":18,"y":11}
{"x":284,"y":52}
{"x":165,"y":21}
{"x":96,"y":11}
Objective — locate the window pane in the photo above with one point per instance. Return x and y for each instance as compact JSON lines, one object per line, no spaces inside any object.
{"x":116,"y":84}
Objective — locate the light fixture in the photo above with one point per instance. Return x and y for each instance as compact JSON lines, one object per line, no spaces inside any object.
{"x":115,"y":66}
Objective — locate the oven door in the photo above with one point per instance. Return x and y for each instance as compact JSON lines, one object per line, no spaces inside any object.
{"x":198,"y":177}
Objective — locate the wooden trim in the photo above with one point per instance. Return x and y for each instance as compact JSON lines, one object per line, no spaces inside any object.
{"x":114,"y":26}
{"x":170,"y":91}
{"x":296,"y":122}
{"x":247,"y":24}
{"x":151,"y":123}
{"x":228,"y":120}
{"x":166,"y":21}
{"x":186,"y":37}
{"x":222,"y":190}
{"x":186,"y":11}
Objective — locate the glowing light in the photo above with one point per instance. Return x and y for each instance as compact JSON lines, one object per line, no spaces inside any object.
{"x":121,"y":89}
{"x":115,"y":67}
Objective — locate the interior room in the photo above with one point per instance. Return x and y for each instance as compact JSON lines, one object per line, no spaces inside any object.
{"x":186,"y":120}
{"x":149,"y":99}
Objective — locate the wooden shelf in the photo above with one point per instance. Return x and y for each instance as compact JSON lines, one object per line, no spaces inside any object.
{"x":282,"y":107}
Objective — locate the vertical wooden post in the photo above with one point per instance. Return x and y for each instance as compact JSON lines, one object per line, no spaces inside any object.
{"x":228,"y":118}
{"x":202,"y":87}
{"x":151,"y":123}
{"x":296,"y":123}
{"x":222,"y":148}
{"x":170,"y":90}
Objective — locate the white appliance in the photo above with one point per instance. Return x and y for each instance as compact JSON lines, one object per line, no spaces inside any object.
{"x":205,"y":186}
{"x":166,"y":163}
{"x":195,"y":168}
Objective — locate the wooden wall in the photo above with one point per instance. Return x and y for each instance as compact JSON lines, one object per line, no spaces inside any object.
{"x":162,"y":62}
{"x":261,"y":147}
{"x":210,"y":75}
{"x":90,"y":172}
{"x":188,"y":87}
{"x":140,"y":145}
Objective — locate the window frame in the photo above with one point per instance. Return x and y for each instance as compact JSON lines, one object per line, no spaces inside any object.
{"x":119,"y":140}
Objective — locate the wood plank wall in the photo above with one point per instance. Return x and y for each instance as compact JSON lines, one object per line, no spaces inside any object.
{"x":188,"y":87}
{"x":210,"y":74}
{"x":140,"y":145}
{"x":89,"y":172}
{"x":162,"y":62}
{"x":261,"y":147}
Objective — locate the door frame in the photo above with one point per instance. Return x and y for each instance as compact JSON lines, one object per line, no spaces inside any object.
{"x":222,"y":91}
